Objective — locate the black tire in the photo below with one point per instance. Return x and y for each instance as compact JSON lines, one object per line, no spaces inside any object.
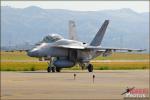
{"x":53,"y":69}
{"x":49,"y":69}
{"x":58,"y":69}
{"x":90,"y":68}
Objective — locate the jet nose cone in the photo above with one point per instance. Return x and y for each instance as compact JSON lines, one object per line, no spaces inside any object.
{"x":33,"y":53}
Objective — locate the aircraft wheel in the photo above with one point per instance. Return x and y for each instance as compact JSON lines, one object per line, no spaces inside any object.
{"x":90,"y":68}
{"x":58,"y":69}
{"x":49,"y":69}
{"x":53,"y":69}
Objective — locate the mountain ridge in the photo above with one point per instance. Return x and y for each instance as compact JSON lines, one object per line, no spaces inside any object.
{"x":127,"y":28}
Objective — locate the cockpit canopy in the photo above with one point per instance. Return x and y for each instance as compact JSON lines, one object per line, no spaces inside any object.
{"x":51,"y":38}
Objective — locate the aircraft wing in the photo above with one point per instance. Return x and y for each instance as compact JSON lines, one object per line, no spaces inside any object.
{"x":17,"y":48}
{"x":98,"y":48}
{"x":114,"y":49}
{"x":123,"y":49}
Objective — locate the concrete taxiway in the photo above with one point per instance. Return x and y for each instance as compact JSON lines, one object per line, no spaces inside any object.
{"x":108,"y":84}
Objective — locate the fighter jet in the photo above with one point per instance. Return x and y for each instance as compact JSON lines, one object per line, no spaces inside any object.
{"x":65,"y":53}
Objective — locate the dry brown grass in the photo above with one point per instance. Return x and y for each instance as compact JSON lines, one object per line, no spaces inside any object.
{"x":27,"y":66}
{"x":31,"y":66}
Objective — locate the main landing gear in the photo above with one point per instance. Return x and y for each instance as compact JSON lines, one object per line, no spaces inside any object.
{"x":90,"y":67}
{"x":86,"y":66}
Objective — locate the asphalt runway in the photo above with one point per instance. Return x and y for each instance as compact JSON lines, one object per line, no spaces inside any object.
{"x":108,"y":84}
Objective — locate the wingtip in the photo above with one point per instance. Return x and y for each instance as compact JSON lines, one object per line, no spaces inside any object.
{"x":142,"y":50}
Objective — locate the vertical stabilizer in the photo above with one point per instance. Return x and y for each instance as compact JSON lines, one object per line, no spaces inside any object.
{"x":72,"y":30}
{"x":100,"y":34}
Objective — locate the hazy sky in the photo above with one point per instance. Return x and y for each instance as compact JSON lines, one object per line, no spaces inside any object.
{"x":138,"y":6}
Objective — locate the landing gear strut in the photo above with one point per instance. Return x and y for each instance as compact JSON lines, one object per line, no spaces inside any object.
{"x":51,"y":67}
{"x":90,"y":68}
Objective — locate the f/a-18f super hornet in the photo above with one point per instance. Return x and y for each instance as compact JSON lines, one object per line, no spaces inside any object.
{"x":65,"y":53}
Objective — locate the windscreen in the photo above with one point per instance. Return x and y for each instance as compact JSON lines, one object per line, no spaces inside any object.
{"x":52,"y":38}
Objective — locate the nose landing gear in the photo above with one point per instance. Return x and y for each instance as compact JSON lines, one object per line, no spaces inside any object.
{"x":51,"y":67}
{"x":58,"y":69}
